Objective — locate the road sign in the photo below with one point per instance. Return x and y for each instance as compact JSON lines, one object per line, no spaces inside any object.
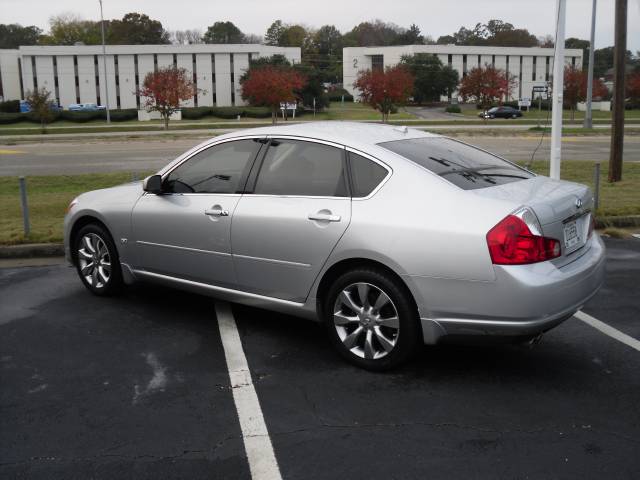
{"x":540,"y":88}
{"x":524,"y":102}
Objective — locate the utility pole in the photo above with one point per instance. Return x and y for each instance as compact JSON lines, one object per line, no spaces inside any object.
{"x":104,"y":65}
{"x":588,"y":123}
{"x":617,"y":117}
{"x":557,"y":92}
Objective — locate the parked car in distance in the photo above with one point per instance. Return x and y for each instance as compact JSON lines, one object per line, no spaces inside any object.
{"x":85,"y":107}
{"x":393,"y":237}
{"x":25,"y":107}
{"x":501,"y":112}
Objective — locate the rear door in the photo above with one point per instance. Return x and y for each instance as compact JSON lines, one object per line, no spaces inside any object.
{"x":290,"y":218}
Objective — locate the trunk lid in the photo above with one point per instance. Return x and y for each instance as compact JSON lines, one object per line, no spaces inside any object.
{"x":563,"y":209}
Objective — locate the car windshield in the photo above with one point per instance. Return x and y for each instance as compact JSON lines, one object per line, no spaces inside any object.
{"x":463,"y":165}
{"x":494,"y":109}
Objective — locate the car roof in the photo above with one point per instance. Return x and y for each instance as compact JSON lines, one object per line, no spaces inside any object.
{"x":354,"y":134}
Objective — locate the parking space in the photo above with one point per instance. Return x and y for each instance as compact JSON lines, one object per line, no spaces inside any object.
{"x":138,"y":387}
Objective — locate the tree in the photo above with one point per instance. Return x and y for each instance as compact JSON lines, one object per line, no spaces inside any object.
{"x":583,"y":45}
{"x":274,"y":33}
{"x":385,"y":89}
{"x":186,"y":37}
{"x":39,"y":100}
{"x":327,"y":57}
{"x":432,"y":78}
{"x":223,"y":32}
{"x":373,"y":33}
{"x":575,"y":88}
{"x":164,"y":90}
{"x":14,"y":35}
{"x":69,"y":29}
{"x":412,"y":36}
{"x":633,"y":88}
{"x":494,"y":32}
{"x":268,"y":85}
{"x":603,"y":60}
{"x":486,"y":85}
{"x":137,"y":29}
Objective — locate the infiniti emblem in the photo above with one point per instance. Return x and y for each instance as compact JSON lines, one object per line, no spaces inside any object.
{"x":578,"y":203}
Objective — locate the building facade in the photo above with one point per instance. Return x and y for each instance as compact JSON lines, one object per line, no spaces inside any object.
{"x":75,"y":74}
{"x":531,"y":66}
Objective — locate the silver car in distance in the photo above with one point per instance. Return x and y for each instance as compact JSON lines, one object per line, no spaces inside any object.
{"x":392,"y":237}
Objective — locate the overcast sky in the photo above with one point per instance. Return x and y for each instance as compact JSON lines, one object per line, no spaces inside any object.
{"x":434,"y":17}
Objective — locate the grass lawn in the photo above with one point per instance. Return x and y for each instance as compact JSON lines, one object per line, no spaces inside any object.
{"x":49,"y":197}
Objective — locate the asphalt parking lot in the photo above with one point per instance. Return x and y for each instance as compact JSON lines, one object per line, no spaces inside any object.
{"x":138,"y":387}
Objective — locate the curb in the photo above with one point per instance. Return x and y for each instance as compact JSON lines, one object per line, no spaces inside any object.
{"x":30,"y":250}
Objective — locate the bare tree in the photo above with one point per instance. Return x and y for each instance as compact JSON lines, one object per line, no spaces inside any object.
{"x":186,"y":37}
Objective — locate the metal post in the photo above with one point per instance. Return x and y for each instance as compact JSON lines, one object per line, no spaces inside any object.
{"x":539,"y":108}
{"x":588,"y":119}
{"x":596,"y":186}
{"x":104,"y":65}
{"x":617,"y":116}
{"x":557,"y":93}
{"x":25,"y":206}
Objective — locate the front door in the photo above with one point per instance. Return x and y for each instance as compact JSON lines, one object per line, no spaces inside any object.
{"x":288,"y":223}
{"x":185,"y":231}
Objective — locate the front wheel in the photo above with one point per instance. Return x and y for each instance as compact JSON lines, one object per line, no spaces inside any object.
{"x":371,"y":319}
{"x":97,"y":260}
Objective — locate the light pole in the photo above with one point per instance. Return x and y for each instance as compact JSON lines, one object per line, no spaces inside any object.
{"x":588,"y":123}
{"x":104,"y":65}
{"x":557,"y":92}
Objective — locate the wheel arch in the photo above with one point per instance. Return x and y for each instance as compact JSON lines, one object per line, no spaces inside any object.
{"x":78,"y":223}
{"x":347,"y":264}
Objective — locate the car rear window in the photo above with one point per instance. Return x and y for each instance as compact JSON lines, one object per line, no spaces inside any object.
{"x":463,"y":165}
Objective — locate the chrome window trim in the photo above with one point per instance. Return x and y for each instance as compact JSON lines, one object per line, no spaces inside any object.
{"x":379,"y":162}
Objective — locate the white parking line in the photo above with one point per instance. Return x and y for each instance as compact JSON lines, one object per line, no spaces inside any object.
{"x":608,"y":330}
{"x":257,"y":444}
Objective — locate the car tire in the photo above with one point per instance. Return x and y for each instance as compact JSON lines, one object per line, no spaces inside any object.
{"x":515,"y":115}
{"x":378,"y":333}
{"x":97,"y":261}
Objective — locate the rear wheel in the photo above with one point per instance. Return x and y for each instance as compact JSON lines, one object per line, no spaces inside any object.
{"x":97,"y":261}
{"x":371,"y":319}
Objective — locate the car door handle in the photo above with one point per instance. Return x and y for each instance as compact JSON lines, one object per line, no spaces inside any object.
{"x":216,"y":211}
{"x":324,"y":217}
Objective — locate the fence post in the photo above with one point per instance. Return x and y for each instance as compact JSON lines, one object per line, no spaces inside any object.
{"x":596,"y":186}
{"x":25,"y":206}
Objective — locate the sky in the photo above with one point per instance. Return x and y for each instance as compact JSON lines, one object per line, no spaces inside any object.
{"x":434,"y":17}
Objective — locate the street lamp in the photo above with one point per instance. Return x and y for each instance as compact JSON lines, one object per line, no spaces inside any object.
{"x":104,"y":65}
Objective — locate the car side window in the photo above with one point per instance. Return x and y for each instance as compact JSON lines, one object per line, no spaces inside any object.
{"x":366,"y":175}
{"x":295,"y":167}
{"x":217,"y":169}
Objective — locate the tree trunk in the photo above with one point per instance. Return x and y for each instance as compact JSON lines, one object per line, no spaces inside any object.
{"x":43,"y":126}
{"x":273,"y":116}
{"x":166,"y":121}
{"x":573,"y":113}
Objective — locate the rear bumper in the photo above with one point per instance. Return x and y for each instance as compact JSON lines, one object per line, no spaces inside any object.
{"x":523,"y":300}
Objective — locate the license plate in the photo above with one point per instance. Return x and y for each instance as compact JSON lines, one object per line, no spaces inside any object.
{"x":571,"y":237}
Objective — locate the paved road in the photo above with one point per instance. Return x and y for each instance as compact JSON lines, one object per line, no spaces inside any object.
{"x":137,"y":387}
{"x":150,"y":154}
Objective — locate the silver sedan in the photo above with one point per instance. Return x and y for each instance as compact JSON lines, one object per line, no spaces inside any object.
{"x":392,"y":237}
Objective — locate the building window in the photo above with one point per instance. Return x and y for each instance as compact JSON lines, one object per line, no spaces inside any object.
{"x":76,"y":79}
{"x":137,"y":80}
{"x":213,"y":78}
{"x":117,"y":74}
{"x":20,"y":75}
{"x":546,"y":72}
{"x":55,"y":79}
{"x":480,"y":61}
{"x":493,"y":61}
{"x":573,"y":62}
{"x":175,"y":60}
{"x":450,"y":60}
{"x":155,"y":62}
{"x":195,"y":79}
{"x":233,"y":83}
{"x":464,"y":66}
{"x":377,"y":63}
{"x":520,"y":79}
{"x":33,"y":71}
{"x":533,"y":70}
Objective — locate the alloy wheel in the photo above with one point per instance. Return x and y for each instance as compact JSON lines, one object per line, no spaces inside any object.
{"x":366,"y":321}
{"x":94,"y":260}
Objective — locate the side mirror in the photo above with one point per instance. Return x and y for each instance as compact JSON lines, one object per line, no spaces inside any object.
{"x":152,"y":184}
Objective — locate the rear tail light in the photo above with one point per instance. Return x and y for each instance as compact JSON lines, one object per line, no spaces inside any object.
{"x":511,"y":242}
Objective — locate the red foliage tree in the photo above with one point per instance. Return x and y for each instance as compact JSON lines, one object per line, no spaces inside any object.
{"x":384,"y":89}
{"x":575,"y":88}
{"x":269,"y":85}
{"x":486,"y":85}
{"x":164,"y":90}
{"x":633,"y":87}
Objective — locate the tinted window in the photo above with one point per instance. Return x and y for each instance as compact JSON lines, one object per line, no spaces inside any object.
{"x":463,"y":165}
{"x":293,"y":167}
{"x":366,"y":175}
{"x":217,"y":169}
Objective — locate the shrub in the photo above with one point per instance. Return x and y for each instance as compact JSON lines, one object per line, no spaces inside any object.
{"x":453,"y":109}
{"x":8,"y":118}
{"x":123,"y":115}
{"x":34,"y":118}
{"x":194,"y":113}
{"x":82,"y":117}
{"x":10,"y":106}
{"x":256,"y":112}
{"x":226,"y":112}
{"x":336,"y":94}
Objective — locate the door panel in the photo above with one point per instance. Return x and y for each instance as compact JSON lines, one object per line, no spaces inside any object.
{"x":186,"y":236}
{"x":277,"y":249}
